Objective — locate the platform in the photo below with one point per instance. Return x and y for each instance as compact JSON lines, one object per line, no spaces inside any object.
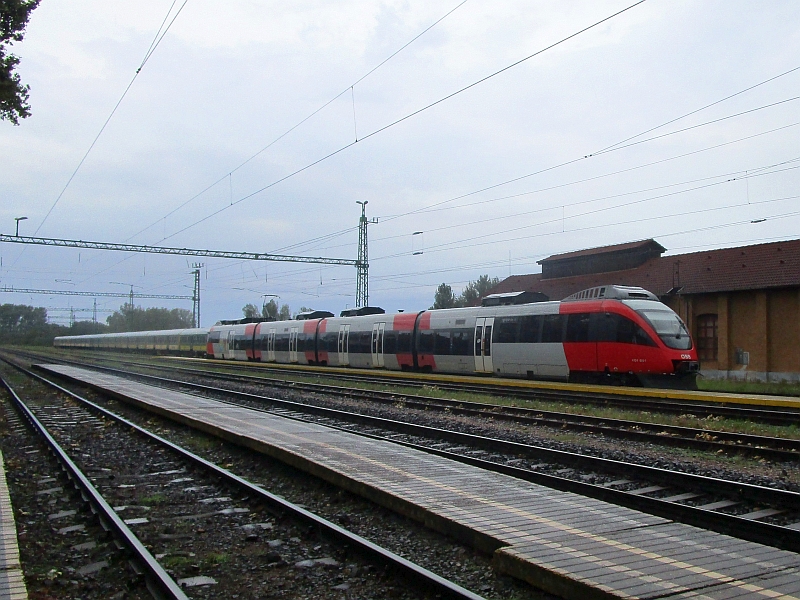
{"x":12,"y":582}
{"x":567,"y":544}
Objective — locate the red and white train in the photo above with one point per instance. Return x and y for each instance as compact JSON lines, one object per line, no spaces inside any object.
{"x":610,"y":333}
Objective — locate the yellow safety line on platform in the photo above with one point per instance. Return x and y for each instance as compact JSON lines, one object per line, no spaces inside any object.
{"x":657,"y":393}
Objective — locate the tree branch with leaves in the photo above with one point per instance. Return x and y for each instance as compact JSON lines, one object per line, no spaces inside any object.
{"x":14,"y":15}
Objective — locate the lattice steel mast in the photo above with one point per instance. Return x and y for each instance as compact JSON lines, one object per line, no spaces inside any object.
{"x":362,"y":264}
{"x":196,"y":294}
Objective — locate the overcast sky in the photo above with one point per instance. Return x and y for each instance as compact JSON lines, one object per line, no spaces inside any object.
{"x":231,"y":77}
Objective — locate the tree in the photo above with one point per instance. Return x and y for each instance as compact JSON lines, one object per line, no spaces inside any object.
{"x":477,"y":289}
{"x":470,"y":295}
{"x":14,"y":15}
{"x":250,"y":311}
{"x":136,"y":318}
{"x":285,"y":314}
{"x":444,"y":297}
{"x":270,"y":310}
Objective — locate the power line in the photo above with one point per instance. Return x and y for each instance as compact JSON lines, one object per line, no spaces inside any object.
{"x":149,"y":53}
{"x":604,"y":150}
{"x":683,"y":116}
{"x":433,"y":208}
{"x":472,"y":240}
{"x":315,"y":112}
{"x":398,"y":121}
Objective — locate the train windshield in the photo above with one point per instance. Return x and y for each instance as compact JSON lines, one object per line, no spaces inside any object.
{"x":669,"y":328}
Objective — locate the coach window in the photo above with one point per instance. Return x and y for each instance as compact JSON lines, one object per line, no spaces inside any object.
{"x":707,"y":337}
{"x":462,"y":342}
{"x":578,"y":327}
{"x":529,"y":327}
{"x":507,"y":329}
{"x":442,"y":342}
{"x":404,"y":342}
{"x":425,"y":342}
{"x":552,"y":329}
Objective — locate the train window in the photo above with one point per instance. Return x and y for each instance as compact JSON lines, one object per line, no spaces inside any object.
{"x":281,"y":342}
{"x":442,"y":342}
{"x":629,"y":332}
{"x":462,"y":342}
{"x":578,"y":327}
{"x":360,"y":342}
{"x":390,"y":342}
{"x":507,"y":330}
{"x":669,"y":328}
{"x":529,"y":327}
{"x":328,"y":341}
{"x":425,"y":342}
{"x":404,"y":342}
{"x":552,"y":329}
{"x":487,"y":342}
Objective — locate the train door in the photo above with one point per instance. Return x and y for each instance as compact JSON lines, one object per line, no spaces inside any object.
{"x":483,"y":344}
{"x":293,"y":345}
{"x":228,"y":347}
{"x":271,"y":345}
{"x":343,"y":344}
{"x":378,"y":330}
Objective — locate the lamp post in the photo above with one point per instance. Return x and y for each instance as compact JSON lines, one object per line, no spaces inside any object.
{"x":18,"y":219}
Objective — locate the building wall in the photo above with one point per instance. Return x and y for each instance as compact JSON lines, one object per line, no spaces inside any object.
{"x":784,"y":330}
{"x":765,"y":324}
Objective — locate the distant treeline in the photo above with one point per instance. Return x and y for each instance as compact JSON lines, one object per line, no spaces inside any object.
{"x":27,"y":325}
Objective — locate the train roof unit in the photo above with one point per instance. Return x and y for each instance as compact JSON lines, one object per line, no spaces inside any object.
{"x":361,"y":311}
{"x":313,"y":314}
{"x":613,"y":292}
{"x":510,"y":298}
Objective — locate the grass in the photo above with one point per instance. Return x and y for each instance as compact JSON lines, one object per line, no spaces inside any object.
{"x":216,"y":558}
{"x":632,"y":414}
{"x":749,"y":387}
{"x":154,"y":499}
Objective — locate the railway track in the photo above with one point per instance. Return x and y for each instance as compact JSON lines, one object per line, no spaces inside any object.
{"x":498,"y":389}
{"x":762,"y":514}
{"x":163,"y":492}
{"x":713,"y":440}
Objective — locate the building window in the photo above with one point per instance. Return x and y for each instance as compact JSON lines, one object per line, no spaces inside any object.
{"x":707,"y":340}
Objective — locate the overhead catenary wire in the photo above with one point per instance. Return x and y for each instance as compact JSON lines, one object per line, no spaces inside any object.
{"x":148,"y":54}
{"x":435,"y":208}
{"x":398,"y":121}
{"x":472,"y":240}
{"x":616,"y":146}
{"x":349,"y":88}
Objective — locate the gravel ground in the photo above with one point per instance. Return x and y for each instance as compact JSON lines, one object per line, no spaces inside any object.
{"x":60,"y":541}
{"x":254,"y":554}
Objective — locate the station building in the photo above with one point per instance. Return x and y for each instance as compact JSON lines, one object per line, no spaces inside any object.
{"x":741,"y":304}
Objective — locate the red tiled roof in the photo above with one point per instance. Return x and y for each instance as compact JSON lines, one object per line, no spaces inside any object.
{"x":604,"y":250}
{"x":760,"y":266}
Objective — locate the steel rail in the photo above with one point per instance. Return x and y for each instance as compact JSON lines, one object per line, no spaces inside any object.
{"x":757,"y":531}
{"x":159,"y":583}
{"x":776,"y":416}
{"x":407,"y":568}
{"x":761,"y":415}
{"x":774,"y":448}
